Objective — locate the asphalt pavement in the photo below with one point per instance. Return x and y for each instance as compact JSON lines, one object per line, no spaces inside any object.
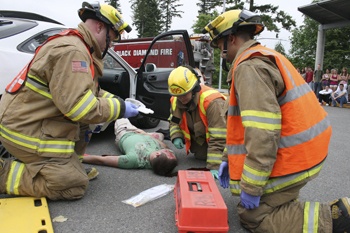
{"x":102,"y":210}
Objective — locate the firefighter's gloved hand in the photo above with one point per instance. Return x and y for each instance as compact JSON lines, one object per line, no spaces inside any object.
{"x":130,"y":110}
{"x":223,"y":175}
{"x":249,"y":201}
{"x":215,"y":174}
{"x":178,"y":143}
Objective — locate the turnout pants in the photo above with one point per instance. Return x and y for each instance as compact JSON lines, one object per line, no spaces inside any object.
{"x":52,"y":177}
{"x":282,"y":212}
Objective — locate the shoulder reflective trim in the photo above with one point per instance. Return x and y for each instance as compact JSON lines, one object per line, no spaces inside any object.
{"x":14,"y":177}
{"x":255,"y":177}
{"x":234,"y":111}
{"x":82,"y":107}
{"x":217,"y":132}
{"x":276,"y":184}
{"x":236,"y":149}
{"x":204,"y":95}
{"x":38,"y":86}
{"x":53,"y":146}
{"x":311,"y":215}
{"x":114,"y":107}
{"x":294,"y":93}
{"x":261,"y":120}
{"x":173,"y":104}
{"x":307,"y":135}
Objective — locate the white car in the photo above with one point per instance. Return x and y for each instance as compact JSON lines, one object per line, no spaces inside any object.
{"x":20,"y":34}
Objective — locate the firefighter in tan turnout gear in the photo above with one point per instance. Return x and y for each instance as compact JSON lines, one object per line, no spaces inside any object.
{"x":277,"y":135}
{"x":46,"y":112}
{"x":197,"y":119}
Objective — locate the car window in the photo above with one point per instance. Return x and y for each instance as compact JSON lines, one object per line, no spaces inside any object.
{"x":110,"y":63}
{"x":10,"y":27}
{"x":33,"y":42}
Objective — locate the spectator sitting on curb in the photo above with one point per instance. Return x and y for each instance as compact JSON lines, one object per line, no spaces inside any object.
{"x":339,"y":96}
{"x":325,"y":95}
{"x":141,"y":150}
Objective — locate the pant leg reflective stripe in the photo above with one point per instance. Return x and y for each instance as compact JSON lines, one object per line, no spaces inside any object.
{"x":14,"y":177}
{"x":311,"y":214}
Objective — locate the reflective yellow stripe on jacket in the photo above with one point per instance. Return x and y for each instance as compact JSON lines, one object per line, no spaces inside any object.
{"x":82,"y":107}
{"x":36,"y":144}
{"x":14,"y":177}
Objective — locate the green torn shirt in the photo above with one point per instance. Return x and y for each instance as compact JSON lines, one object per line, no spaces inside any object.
{"x":136,"y":149}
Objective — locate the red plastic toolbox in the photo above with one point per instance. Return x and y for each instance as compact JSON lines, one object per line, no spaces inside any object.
{"x":199,"y":204}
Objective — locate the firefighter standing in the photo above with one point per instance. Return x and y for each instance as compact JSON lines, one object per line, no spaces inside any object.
{"x":277,"y":138}
{"x":46,"y":112}
{"x":197,"y":119}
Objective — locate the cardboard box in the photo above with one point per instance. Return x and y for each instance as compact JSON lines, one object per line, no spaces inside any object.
{"x":199,"y":204}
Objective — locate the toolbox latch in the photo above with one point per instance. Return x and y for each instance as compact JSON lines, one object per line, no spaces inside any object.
{"x":195,"y":184}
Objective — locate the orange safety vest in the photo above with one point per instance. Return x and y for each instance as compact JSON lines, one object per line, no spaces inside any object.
{"x":206,"y":95}
{"x":16,"y":84}
{"x":305,"y":130}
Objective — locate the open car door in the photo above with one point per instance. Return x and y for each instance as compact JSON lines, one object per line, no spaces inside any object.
{"x":166,"y":52}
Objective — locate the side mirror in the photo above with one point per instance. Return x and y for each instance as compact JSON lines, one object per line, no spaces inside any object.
{"x":150,"y":67}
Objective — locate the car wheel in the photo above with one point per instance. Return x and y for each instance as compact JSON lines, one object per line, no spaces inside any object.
{"x":145,"y":122}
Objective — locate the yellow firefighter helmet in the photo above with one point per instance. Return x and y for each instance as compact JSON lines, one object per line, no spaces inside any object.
{"x":182,"y":80}
{"x":105,"y":13}
{"x":228,"y":23}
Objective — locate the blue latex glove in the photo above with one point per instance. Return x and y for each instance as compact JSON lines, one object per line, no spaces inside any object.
{"x":178,"y":143}
{"x":130,"y":110}
{"x":248,"y":201}
{"x":224,"y":178}
{"x":215,"y":174}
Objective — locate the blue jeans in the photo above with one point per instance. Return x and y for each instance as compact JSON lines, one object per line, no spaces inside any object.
{"x":317,"y":88}
{"x":341,"y":101}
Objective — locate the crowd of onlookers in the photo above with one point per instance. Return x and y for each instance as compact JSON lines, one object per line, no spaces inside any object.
{"x":330,"y":86}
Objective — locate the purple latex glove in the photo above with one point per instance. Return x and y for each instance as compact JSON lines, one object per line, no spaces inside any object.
{"x":224,"y":178}
{"x":130,"y":110}
{"x":248,"y":201}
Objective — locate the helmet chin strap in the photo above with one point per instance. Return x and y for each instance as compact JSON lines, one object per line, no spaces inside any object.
{"x":224,"y":65}
{"x":108,"y":40}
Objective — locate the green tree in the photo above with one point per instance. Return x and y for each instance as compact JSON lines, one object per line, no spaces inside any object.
{"x":115,"y":4}
{"x":169,"y":11}
{"x":304,"y":42}
{"x":201,"y":22}
{"x":279,"y":48}
{"x":273,"y":18}
{"x":147,"y":17}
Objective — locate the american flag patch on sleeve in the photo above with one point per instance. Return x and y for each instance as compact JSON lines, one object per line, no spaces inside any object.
{"x":79,"y":66}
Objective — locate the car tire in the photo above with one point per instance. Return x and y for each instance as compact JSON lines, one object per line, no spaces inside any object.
{"x":144,"y":122}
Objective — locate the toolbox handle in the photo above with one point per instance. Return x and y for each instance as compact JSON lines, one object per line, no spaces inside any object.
{"x":199,"y":187}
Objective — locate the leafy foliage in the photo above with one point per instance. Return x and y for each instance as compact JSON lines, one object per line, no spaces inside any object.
{"x":115,"y":4}
{"x":279,"y":48}
{"x":304,"y":42}
{"x":169,"y":11}
{"x":147,"y":17}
